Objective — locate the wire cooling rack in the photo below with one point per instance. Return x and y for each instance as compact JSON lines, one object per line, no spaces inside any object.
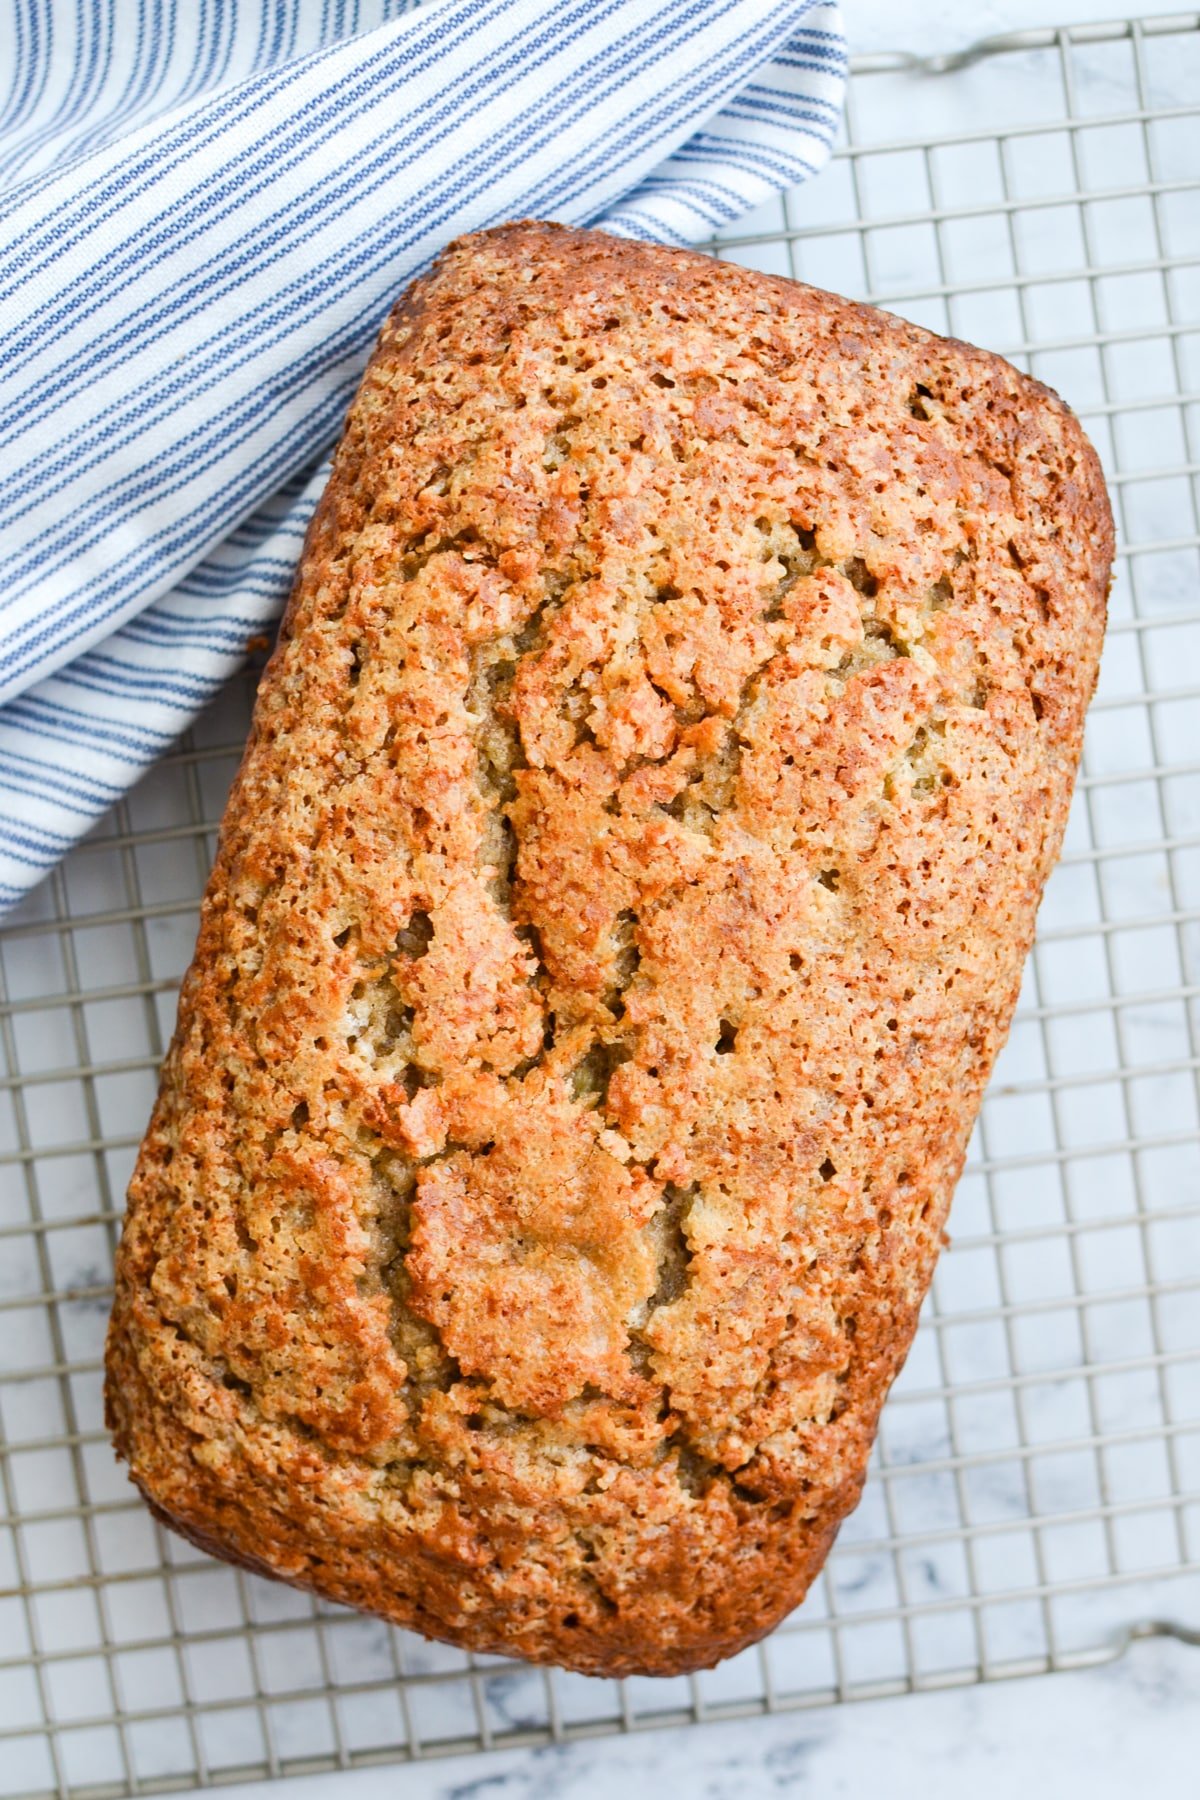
{"x":1036,"y":1484}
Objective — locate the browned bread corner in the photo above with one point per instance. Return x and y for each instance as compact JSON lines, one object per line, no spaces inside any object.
{"x":617,"y":914}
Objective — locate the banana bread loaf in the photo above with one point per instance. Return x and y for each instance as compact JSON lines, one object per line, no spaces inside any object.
{"x":617,"y":913}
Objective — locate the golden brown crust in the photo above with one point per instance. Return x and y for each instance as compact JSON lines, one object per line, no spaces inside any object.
{"x":618,"y":911}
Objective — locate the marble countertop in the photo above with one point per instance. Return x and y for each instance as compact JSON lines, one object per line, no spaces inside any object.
{"x":1109,"y":1732}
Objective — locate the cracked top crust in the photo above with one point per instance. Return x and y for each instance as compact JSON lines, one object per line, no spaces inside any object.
{"x":617,"y":914}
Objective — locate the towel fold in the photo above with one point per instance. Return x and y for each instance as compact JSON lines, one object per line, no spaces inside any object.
{"x":202,"y":225}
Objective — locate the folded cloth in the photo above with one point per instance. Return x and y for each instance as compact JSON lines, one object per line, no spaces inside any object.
{"x":202,"y":224}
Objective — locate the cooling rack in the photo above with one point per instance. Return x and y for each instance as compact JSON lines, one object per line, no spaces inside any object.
{"x":1035,"y":1490}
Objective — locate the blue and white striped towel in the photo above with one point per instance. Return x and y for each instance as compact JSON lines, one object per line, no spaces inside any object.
{"x":205,"y":210}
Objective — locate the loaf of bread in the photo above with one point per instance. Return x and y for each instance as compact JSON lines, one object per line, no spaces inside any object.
{"x":617,"y":914}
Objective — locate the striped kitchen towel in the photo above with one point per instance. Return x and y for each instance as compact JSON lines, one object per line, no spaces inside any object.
{"x":205,"y":211}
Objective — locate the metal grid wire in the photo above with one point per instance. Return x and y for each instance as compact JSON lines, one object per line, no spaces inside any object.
{"x":1036,"y":1484}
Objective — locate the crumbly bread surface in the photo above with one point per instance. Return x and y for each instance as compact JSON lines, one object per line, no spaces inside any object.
{"x":617,"y":913}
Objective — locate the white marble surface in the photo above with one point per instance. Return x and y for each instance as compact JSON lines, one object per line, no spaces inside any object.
{"x":933,"y":25}
{"x":1109,"y":1731}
